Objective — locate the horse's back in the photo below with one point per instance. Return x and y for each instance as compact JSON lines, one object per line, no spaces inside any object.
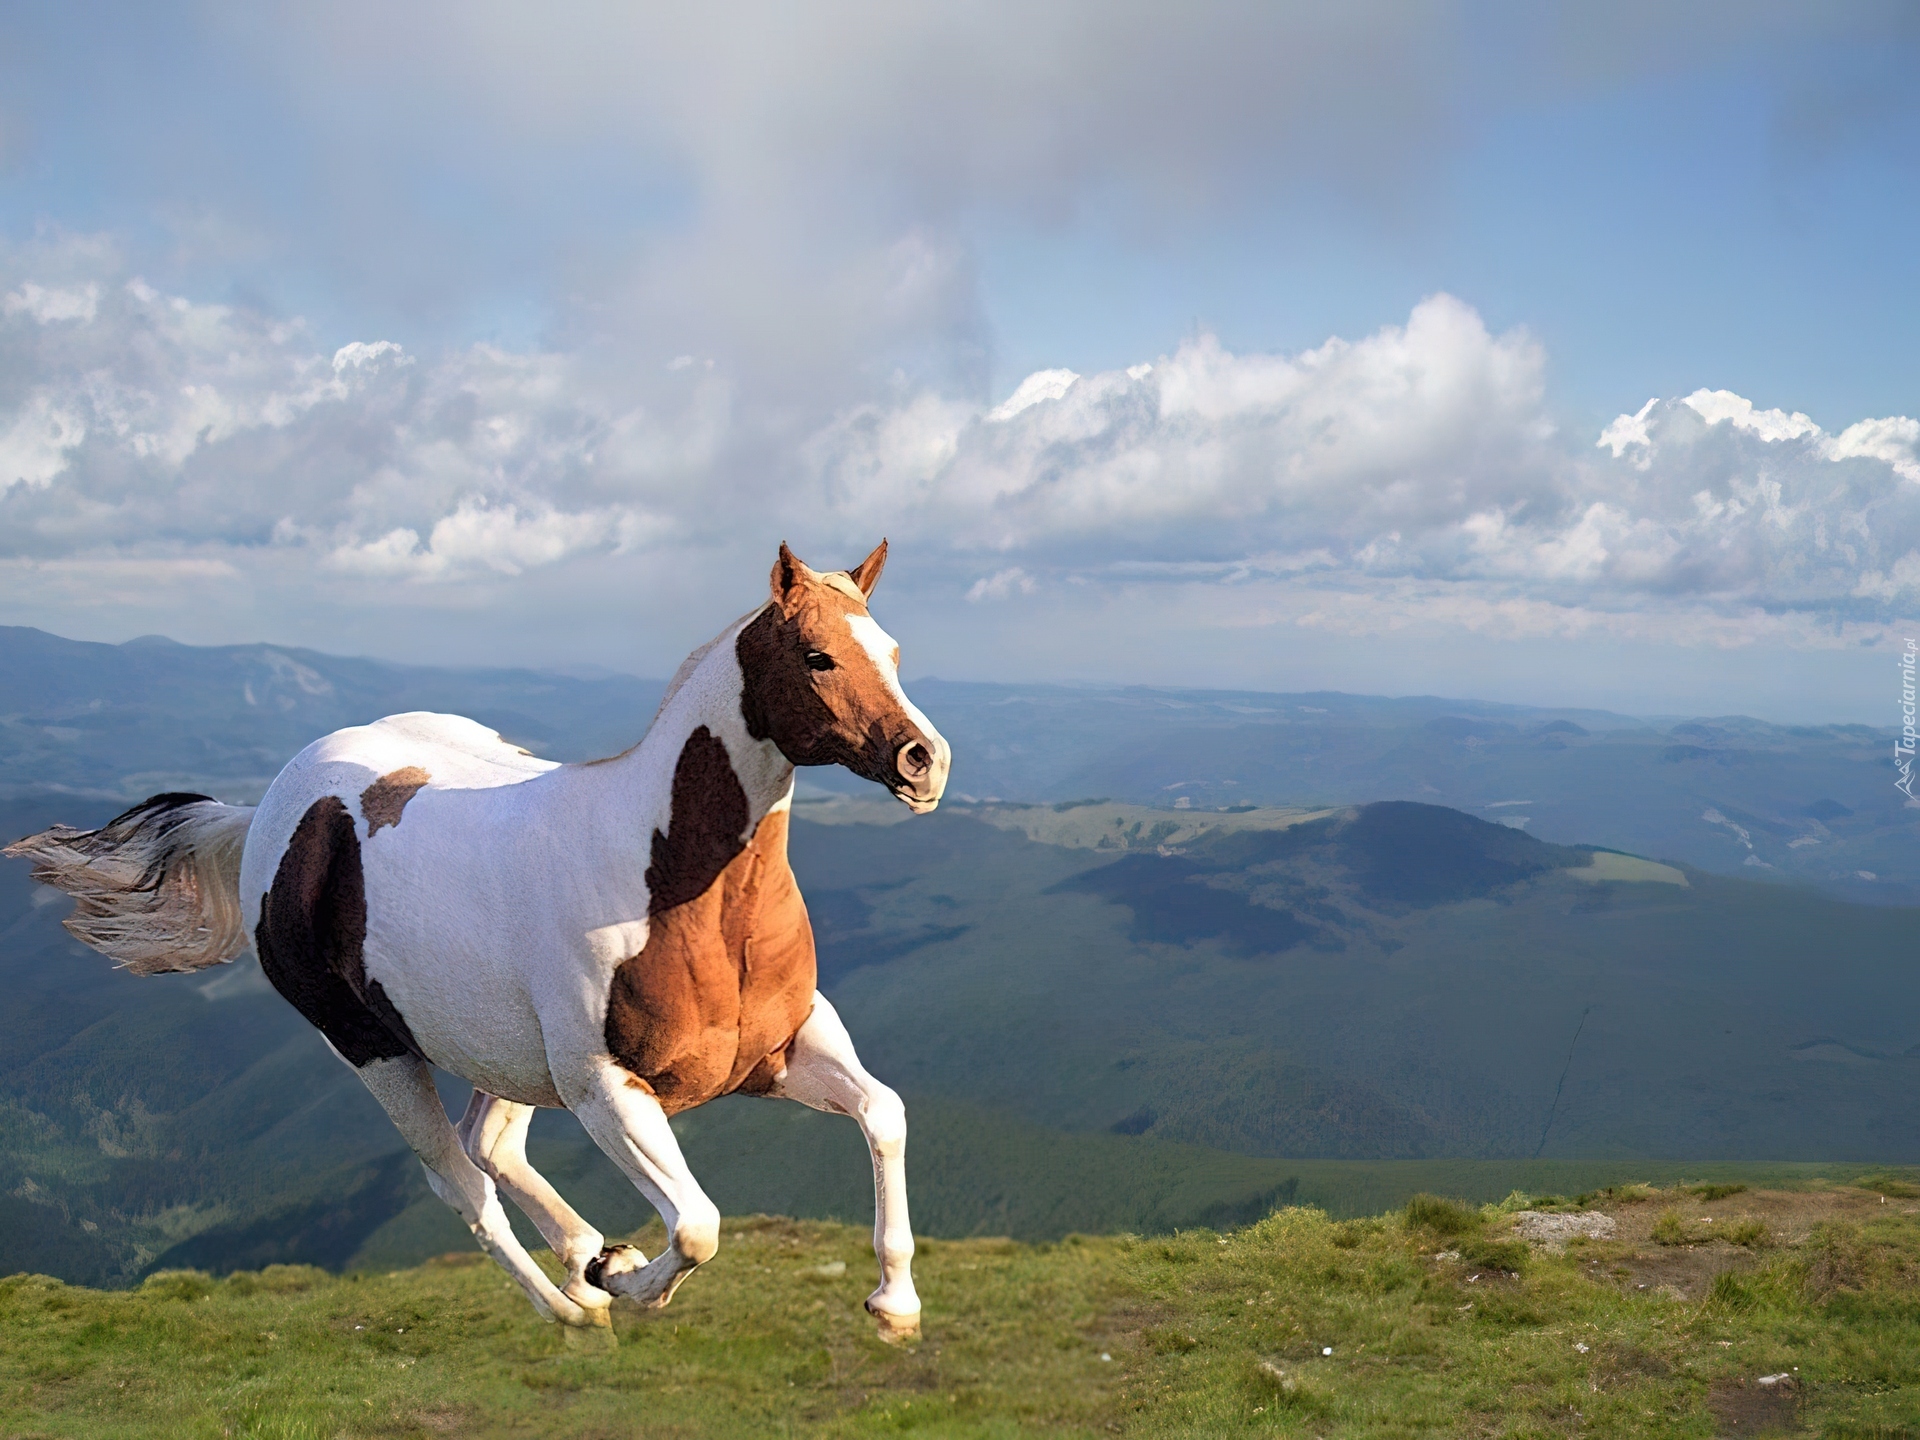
{"x":319,"y":872}
{"x":373,"y":772}
{"x":457,"y":753}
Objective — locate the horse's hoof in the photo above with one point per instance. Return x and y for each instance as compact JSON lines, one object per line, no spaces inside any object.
{"x":589,"y":1317}
{"x":590,"y":1298}
{"x":896,"y":1329}
{"x":617,"y":1259}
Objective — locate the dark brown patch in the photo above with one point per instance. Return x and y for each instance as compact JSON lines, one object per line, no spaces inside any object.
{"x":707,"y":820}
{"x":726,"y":978}
{"x":384,"y":800}
{"x":312,"y":939}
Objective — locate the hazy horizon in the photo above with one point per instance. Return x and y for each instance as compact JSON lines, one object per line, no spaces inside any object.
{"x":591,"y":670}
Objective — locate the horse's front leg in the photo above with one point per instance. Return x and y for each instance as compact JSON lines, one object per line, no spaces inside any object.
{"x":824,"y":1072}
{"x":627,"y":1122}
{"x":494,"y":1134}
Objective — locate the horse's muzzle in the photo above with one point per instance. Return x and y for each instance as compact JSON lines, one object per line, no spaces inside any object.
{"x":921,"y":764}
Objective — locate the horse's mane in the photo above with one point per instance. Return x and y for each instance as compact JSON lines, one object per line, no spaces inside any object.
{"x":692,"y":662}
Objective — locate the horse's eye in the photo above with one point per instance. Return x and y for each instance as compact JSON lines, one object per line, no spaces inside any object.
{"x":818,"y":661}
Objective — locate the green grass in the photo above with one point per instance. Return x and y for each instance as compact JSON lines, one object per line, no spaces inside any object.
{"x":1716,"y":1192}
{"x":1296,"y":1326}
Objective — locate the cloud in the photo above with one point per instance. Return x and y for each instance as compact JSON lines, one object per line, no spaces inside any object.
{"x":479,"y":536}
{"x":141,"y":420}
{"x":1733,"y":500}
{"x":1205,"y":452}
{"x":48,"y":305}
{"x":1895,"y":441}
{"x":1039,"y":386}
{"x":1422,"y":453}
{"x":1001,"y":585}
{"x":1417,"y":472}
{"x":35,"y":442}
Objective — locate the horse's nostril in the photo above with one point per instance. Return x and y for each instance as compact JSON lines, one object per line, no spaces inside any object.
{"x":914,"y":761}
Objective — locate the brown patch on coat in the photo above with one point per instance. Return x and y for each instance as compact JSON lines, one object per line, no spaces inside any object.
{"x":383,"y":800}
{"x":713,"y":1000}
{"x":312,"y":938}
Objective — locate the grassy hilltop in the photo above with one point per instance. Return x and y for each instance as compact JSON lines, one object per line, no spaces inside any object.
{"x":1434,"y":1320}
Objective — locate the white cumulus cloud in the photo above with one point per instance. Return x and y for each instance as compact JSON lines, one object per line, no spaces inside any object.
{"x":1410,"y":428}
{"x":1417,"y":472}
{"x":1001,"y":585}
{"x":479,"y":536}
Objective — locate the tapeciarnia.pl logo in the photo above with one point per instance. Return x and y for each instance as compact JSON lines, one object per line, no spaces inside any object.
{"x":1903,"y":747}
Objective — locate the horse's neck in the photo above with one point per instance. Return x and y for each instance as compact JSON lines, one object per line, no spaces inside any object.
{"x":704,"y":696}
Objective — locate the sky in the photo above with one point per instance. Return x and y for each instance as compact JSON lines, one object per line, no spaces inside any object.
{"x":1552,"y":354}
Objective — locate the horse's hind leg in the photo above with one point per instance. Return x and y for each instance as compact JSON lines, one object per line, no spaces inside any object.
{"x":312,"y":942}
{"x":494,"y":1134}
{"x":404,"y":1088}
{"x":824,"y":1072}
{"x":628,"y":1124}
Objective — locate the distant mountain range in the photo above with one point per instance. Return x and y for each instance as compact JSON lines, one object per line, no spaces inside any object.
{"x":1729,"y":794}
{"x":124,"y":721}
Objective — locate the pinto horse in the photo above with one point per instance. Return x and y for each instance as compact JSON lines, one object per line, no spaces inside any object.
{"x":622,"y":938}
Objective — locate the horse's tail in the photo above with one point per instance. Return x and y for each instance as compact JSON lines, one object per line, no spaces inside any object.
{"x":155,"y":889}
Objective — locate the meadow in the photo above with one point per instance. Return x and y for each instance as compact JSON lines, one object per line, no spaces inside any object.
{"x":1712,"y":1310}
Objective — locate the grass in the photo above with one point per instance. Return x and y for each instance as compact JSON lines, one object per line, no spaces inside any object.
{"x":1715,"y":1192}
{"x":1299,"y":1325}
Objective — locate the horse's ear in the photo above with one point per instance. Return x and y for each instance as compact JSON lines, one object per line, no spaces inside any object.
{"x":867,"y":573}
{"x":790,"y":572}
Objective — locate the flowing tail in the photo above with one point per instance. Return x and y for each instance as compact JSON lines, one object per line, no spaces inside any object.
{"x":155,"y":889}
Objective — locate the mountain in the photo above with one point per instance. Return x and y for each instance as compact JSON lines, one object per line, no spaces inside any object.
{"x":126,"y":721}
{"x":1392,"y":980}
{"x":1731,"y":794}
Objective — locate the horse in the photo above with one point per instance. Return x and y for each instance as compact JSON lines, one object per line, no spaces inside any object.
{"x":622,"y":938}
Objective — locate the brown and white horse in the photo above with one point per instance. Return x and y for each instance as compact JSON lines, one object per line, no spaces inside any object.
{"x":623,"y":938}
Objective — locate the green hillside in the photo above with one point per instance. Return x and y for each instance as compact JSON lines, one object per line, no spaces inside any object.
{"x":1397,"y":982}
{"x":1705,"y":1313}
{"x":1728,"y":794}
{"x":1104,"y":1018}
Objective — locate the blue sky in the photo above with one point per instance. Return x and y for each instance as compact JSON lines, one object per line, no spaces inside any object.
{"x":467,"y":332}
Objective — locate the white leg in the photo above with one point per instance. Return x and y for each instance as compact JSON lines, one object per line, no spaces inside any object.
{"x":493,"y":1132}
{"x":627,"y":1122}
{"x":404,"y":1088}
{"x":824,"y":1072}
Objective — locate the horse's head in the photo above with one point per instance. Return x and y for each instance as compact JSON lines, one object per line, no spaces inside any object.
{"x":822,"y":682}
